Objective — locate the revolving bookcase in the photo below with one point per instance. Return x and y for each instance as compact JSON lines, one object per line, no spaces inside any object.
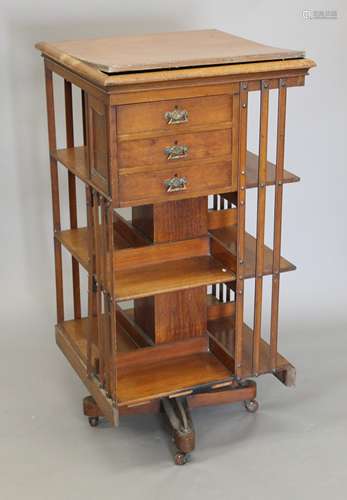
{"x":165,"y":136}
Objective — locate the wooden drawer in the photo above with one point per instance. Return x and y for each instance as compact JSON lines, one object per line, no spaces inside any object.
{"x":145,"y":188}
{"x":185,"y":113}
{"x":174,"y":149}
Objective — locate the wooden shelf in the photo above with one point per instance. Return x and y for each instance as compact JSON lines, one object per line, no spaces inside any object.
{"x":75,"y":160}
{"x":223,"y":332}
{"x":76,"y":331}
{"x":76,"y":242}
{"x":152,"y":376}
{"x":252,"y":172}
{"x":146,"y":381}
{"x":151,"y":279}
{"x":169,"y":277}
{"x":227,"y":236}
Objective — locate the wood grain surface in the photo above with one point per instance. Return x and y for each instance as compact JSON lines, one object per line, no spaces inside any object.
{"x":169,"y":50}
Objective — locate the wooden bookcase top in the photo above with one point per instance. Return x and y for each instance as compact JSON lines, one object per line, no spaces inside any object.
{"x":160,"y":57}
{"x":180,"y":49}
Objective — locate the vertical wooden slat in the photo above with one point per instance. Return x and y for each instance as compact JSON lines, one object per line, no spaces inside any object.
{"x":111,"y":127}
{"x":103,"y":244}
{"x":240,"y":109}
{"x":215,"y":207}
{"x":93,"y":299}
{"x":106,"y":340}
{"x":96,"y":227}
{"x":262,"y":163}
{"x":55,"y":194}
{"x":91,"y":287}
{"x":113,"y":326}
{"x":72,"y":196}
{"x":101,"y":322}
{"x":281,"y":120}
{"x":84,"y":121}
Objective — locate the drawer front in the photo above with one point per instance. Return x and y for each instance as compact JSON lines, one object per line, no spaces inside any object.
{"x":174,"y":183}
{"x":174,"y":150}
{"x":174,"y":115}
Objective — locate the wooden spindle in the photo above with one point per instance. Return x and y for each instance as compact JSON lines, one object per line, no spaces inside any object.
{"x":113,"y":326}
{"x":259,"y":267}
{"x":84,"y":118}
{"x":91,"y":284}
{"x":100,"y":319}
{"x":240,"y":106}
{"x":55,"y":194}
{"x":106,"y":323}
{"x":215,"y":207}
{"x":72,"y":196}
{"x":281,"y":120}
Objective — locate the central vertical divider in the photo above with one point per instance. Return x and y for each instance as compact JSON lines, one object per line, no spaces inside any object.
{"x":182,"y":314}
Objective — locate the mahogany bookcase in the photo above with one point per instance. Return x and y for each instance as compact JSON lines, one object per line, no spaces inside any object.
{"x":165,"y":133}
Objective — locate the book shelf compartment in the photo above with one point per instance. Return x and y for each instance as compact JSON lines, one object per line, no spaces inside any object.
{"x":152,"y":372}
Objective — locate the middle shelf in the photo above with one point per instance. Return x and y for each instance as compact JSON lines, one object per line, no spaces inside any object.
{"x":145,"y":278}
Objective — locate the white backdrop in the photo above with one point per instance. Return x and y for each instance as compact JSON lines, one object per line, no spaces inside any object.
{"x":314,"y":228}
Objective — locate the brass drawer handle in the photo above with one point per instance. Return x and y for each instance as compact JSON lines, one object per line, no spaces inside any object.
{"x":176,"y":152}
{"x":176,"y":184}
{"x":176,"y":116}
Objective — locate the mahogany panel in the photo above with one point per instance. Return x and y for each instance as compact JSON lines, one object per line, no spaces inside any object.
{"x":180,"y":315}
{"x":173,"y":220}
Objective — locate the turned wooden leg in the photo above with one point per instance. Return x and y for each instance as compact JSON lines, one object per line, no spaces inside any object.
{"x":92,"y":411}
{"x":180,"y":423}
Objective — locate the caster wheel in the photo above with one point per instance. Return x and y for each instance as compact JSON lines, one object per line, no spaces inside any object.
{"x":180,"y":458}
{"x":251,"y":405}
{"x":93,"y":421}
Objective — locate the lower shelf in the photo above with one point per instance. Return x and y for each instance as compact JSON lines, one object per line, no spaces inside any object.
{"x":148,"y":381}
{"x":169,"y":369}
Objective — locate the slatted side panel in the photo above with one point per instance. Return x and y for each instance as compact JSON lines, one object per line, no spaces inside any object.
{"x":281,"y":119}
